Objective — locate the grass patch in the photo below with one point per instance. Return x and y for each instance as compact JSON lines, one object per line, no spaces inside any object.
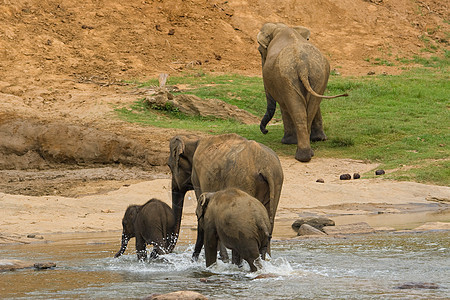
{"x":341,"y":142}
{"x":394,"y":120}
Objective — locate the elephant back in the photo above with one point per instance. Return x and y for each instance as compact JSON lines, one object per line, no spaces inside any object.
{"x":158,"y":215}
{"x":230,"y":160}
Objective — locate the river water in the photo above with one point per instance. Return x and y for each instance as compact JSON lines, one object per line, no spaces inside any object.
{"x":375,"y":266}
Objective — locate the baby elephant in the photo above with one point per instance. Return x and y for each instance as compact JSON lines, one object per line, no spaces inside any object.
{"x":238,"y":220}
{"x":152,"y":223}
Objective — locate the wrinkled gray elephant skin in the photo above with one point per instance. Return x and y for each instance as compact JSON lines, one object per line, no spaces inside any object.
{"x":238,"y":220}
{"x":151,"y":224}
{"x":213,"y":163}
{"x":295,"y":76}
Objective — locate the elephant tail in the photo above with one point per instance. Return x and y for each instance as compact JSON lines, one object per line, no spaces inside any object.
{"x":304,"y":79}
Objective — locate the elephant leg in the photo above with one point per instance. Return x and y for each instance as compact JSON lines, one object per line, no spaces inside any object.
{"x":296,"y":107}
{"x":199,"y":244}
{"x":158,"y":248}
{"x":223,"y":253}
{"x":250,"y":255}
{"x":317,"y":133}
{"x":312,"y":110}
{"x":211,"y":243}
{"x":290,"y":136}
{"x":141,"y":250}
{"x":236,"y":258}
{"x":263,"y":252}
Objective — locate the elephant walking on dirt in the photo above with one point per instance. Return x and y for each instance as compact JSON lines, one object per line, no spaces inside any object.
{"x":152,"y":223}
{"x":213,"y":163}
{"x":238,"y":220}
{"x":295,"y":75}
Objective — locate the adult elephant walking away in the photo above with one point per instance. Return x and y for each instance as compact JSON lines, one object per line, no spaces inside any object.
{"x":295,"y":75}
{"x":211,"y":164}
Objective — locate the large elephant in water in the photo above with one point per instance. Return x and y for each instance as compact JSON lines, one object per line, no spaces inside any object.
{"x":211,"y":164}
{"x":295,"y":75}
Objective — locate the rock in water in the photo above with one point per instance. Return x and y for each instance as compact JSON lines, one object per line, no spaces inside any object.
{"x":316,"y":222}
{"x":306,"y":229}
{"x":185,"y":295}
{"x":418,"y":285}
{"x":43,"y":266}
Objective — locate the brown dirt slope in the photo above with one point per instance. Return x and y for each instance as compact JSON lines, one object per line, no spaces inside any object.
{"x":122,"y":40}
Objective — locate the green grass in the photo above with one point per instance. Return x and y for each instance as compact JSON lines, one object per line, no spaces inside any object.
{"x":396,"y":121}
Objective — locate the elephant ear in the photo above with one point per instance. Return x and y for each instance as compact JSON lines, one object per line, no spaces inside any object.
{"x":303,"y":31}
{"x":129,"y":218}
{"x":202,"y":203}
{"x":177,"y":147}
{"x":265,"y":35}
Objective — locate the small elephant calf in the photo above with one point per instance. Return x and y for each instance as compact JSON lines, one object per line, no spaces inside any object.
{"x":152,"y":223}
{"x":238,"y":220}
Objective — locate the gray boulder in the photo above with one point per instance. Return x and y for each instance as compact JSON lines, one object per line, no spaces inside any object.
{"x":316,"y":222}
{"x":306,"y":229}
{"x":15,"y":264}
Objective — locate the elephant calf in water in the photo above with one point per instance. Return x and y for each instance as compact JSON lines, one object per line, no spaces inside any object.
{"x":152,"y":223}
{"x":238,"y":220}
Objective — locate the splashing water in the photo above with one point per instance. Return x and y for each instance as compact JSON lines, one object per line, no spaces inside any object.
{"x":360,"y":267}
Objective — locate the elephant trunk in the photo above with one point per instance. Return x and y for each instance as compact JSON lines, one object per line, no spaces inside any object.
{"x":270,"y":111}
{"x":177,"y":207}
{"x":124,"y":245}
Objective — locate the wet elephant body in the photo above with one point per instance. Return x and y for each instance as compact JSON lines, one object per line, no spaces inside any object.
{"x":214,"y":163}
{"x":238,"y":220}
{"x":151,"y":224}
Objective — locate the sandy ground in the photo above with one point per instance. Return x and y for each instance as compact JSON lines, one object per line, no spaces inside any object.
{"x":301,"y":195}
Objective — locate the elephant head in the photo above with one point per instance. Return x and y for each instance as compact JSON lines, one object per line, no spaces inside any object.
{"x":182,"y":149}
{"x":202,"y":203}
{"x":128,"y":227}
{"x":270,"y":30}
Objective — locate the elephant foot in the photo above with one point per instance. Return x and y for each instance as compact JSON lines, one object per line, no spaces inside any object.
{"x":318,"y":136}
{"x":304,"y":155}
{"x":289,"y":139}
{"x":142,"y":255}
{"x":154,"y":254}
{"x":195,"y":256}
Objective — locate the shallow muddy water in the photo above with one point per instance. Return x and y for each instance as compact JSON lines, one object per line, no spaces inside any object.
{"x":357,"y":267}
